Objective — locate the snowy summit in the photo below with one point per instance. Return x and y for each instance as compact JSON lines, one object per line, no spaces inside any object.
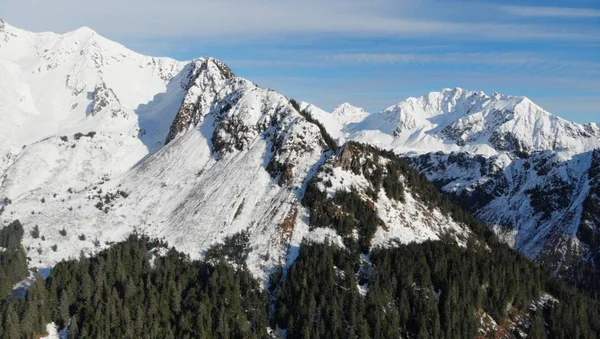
{"x":97,"y":141}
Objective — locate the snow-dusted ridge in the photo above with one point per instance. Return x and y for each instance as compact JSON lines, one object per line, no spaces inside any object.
{"x":404,"y":218}
{"x":529,"y":174}
{"x":474,"y":122}
{"x":347,"y":113}
{"x":97,"y":141}
{"x":101,"y":141}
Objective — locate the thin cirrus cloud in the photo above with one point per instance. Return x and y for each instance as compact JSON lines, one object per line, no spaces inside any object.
{"x":552,"y":12}
{"x":531,"y":61}
{"x":242,"y":20}
{"x":531,"y":50}
{"x":374,"y":96}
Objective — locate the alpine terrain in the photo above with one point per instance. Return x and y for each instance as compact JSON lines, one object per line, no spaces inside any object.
{"x":530,"y":175}
{"x":164,"y":198}
{"x":99,"y":142}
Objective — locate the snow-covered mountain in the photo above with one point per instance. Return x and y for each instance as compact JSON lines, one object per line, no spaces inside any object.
{"x":336,"y":121}
{"x":467,"y":121}
{"x":97,"y":142}
{"x":58,"y":85}
{"x":545,"y":205}
{"x":346,"y":113}
{"x":528,"y":173}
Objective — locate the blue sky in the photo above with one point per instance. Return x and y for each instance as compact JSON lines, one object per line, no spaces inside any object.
{"x":369,"y":53}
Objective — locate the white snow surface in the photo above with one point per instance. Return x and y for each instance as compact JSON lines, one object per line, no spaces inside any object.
{"x":84,"y":122}
{"x":404,"y":222}
{"x":83,"y":127}
{"x":496,"y":145}
{"x":54,"y":333}
{"x":459,"y":120}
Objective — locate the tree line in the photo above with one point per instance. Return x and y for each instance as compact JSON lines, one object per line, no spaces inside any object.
{"x":428,"y":290}
{"x":129,"y":291}
{"x":141,"y":288}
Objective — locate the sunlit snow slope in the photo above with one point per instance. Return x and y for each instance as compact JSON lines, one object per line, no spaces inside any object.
{"x":97,"y":141}
{"x":530,"y":174}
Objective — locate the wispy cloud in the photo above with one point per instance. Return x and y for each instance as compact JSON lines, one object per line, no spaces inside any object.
{"x":559,"y":95}
{"x":588,"y":107}
{"x":247,"y":20}
{"x":531,"y":61}
{"x":345,"y":46}
{"x":552,"y":12}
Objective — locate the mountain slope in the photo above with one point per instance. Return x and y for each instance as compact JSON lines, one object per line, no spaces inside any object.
{"x":56,"y":86}
{"x":98,"y":140}
{"x":183,"y":151}
{"x":372,"y":196}
{"x":468,"y":121}
{"x":442,"y":291}
{"x":529,"y":174}
{"x":536,"y":203}
{"x":101,"y":142}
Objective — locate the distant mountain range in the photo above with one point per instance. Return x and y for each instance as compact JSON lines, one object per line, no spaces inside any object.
{"x":529,"y":174}
{"x":97,"y":141}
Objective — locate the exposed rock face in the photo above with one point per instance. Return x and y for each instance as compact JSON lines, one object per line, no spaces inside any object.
{"x":240,"y":158}
{"x":542,"y":204}
{"x":367,"y":194}
{"x":204,"y":79}
{"x":521,"y":169}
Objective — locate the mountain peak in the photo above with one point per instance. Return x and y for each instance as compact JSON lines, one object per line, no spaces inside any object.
{"x":4,"y":25}
{"x":347,"y":113}
{"x":84,"y":31}
{"x":345,"y":105}
{"x":222,"y":67}
{"x":456,"y":119}
{"x":454,"y":90}
{"x":4,"y":28}
{"x":347,"y":108}
{"x":456,"y":100}
{"x":205,"y":77}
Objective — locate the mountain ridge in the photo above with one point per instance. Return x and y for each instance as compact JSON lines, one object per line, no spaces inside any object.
{"x":192,"y":153}
{"x":462,"y":120}
{"x":183,"y":151}
{"x":490,"y":152}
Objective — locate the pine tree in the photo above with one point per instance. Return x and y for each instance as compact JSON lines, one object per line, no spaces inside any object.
{"x":538,"y":329}
{"x":11,"y":325}
{"x":74,"y":328}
